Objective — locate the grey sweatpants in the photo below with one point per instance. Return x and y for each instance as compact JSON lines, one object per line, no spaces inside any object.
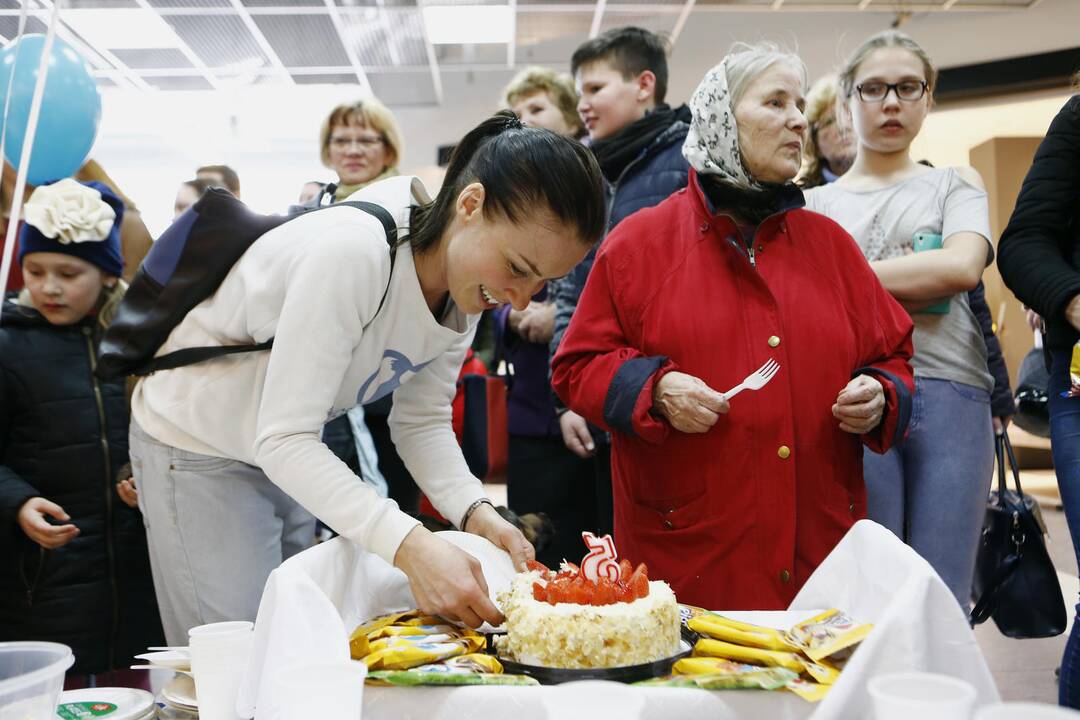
{"x":216,"y":528}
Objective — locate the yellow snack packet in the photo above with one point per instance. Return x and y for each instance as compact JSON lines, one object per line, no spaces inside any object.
{"x":473,"y":642}
{"x":830,"y":634}
{"x":358,"y":646}
{"x":396,"y":630}
{"x":689,"y":612}
{"x":405,"y":655}
{"x":773,"y":658}
{"x":471,"y":663}
{"x":1074,"y":373}
{"x":809,"y":691}
{"x":822,"y":672}
{"x":719,"y":674}
{"x":719,"y":627}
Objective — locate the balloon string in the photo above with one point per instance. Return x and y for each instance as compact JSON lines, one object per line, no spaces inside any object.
{"x":28,"y":144}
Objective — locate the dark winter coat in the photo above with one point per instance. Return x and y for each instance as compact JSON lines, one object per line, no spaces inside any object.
{"x":63,"y":437}
{"x":1039,"y":252}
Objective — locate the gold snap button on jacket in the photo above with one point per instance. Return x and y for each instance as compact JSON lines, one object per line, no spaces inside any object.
{"x":774,"y":341}
{"x":784,"y":452}
{"x":785,"y":576}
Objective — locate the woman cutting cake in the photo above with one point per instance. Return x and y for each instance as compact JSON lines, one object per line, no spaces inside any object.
{"x":227,"y":452}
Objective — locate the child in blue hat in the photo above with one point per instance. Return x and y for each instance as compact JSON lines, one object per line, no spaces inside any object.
{"x":74,"y":566}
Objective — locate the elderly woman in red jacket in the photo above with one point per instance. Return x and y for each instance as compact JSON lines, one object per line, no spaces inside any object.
{"x":735,"y":501}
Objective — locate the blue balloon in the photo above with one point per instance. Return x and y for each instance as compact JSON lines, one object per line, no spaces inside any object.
{"x":70,"y":108}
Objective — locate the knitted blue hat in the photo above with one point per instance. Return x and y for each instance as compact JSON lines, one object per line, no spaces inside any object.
{"x":81,"y":219}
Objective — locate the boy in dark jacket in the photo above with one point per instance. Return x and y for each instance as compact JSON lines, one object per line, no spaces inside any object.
{"x":621,"y":78}
{"x":74,"y":566}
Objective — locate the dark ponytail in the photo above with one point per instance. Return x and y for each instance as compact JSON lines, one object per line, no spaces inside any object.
{"x":523,"y":170}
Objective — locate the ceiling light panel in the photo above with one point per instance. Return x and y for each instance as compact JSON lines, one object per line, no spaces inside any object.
{"x":469,"y":24}
{"x":219,"y":40}
{"x":303,"y":40}
{"x":121,"y":28}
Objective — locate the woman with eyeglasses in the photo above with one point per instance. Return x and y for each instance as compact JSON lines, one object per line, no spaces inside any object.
{"x":362,"y":143}
{"x":926,"y":233}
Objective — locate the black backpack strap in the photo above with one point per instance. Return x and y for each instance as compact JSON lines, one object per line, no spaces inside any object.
{"x":190,"y":356}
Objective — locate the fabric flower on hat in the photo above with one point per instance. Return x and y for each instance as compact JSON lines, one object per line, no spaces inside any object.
{"x":70,"y":212}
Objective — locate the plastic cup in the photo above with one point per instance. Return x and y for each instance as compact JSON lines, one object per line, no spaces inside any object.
{"x":1026,"y":711}
{"x":219,"y":656}
{"x":31,"y":678}
{"x":925,"y":696}
{"x":590,"y":699}
{"x":325,"y":690}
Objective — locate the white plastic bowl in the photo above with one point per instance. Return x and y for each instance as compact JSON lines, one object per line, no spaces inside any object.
{"x":31,"y":678}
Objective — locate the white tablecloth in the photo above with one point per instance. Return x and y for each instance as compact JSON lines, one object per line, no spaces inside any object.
{"x":314,"y":599}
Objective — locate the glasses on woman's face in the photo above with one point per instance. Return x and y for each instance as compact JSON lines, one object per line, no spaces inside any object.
{"x":364,"y":142}
{"x":907,"y":90}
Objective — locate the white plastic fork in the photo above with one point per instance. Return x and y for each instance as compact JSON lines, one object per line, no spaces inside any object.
{"x":755,"y":380}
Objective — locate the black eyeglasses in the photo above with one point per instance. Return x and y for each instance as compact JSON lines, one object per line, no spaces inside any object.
{"x":907,"y":90}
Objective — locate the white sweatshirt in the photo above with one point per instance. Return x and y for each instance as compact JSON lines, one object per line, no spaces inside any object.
{"x":313,"y":284}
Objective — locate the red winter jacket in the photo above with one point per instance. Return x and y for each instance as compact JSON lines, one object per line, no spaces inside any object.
{"x":740,"y":516}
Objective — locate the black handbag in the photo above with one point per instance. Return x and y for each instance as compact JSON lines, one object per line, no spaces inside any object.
{"x":1015,"y":582}
{"x":1032,"y":398}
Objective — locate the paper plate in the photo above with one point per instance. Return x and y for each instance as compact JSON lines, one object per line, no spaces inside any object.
{"x":173,"y":659}
{"x":498,"y":568}
{"x":109,"y":703}
{"x":624,"y":674}
{"x":180,"y":692}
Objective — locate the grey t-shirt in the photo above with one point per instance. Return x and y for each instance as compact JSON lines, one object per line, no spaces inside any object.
{"x":884,"y":223}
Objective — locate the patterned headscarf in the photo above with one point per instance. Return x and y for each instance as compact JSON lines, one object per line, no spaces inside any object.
{"x":712,"y":145}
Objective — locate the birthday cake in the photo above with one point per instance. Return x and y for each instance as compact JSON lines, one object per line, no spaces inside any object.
{"x":600,"y":615}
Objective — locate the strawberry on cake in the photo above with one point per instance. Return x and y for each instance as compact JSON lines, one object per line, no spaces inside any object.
{"x":601,"y":615}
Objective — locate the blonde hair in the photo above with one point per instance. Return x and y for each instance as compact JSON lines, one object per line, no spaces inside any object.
{"x":886,"y":39}
{"x":558,"y":87}
{"x":110,"y":298}
{"x":819,"y":102}
{"x":367,"y":113}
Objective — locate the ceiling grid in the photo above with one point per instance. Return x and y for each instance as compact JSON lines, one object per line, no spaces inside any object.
{"x":388,"y":47}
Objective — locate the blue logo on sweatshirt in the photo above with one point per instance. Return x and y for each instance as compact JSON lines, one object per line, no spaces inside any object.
{"x":396,"y":368}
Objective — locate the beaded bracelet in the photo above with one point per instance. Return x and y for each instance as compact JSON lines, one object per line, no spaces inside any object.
{"x":472,"y":509}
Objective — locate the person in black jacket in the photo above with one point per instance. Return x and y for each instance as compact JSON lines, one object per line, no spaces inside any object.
{"x":1039,"y":258}
{"x":74,"y":566}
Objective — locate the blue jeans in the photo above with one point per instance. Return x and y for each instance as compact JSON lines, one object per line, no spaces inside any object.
{"x":931,"y":489}
{"x":1065,"y":444}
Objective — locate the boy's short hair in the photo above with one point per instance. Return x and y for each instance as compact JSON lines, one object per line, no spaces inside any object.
{"x":631,"y":51}
{"x":558,"y":87}
{"x":228,"y":176}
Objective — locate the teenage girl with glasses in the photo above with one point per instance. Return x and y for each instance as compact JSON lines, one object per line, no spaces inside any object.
{"x":926,"y":234}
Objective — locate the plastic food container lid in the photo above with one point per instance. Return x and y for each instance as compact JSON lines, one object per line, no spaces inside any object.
{"x":107,"y":703}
